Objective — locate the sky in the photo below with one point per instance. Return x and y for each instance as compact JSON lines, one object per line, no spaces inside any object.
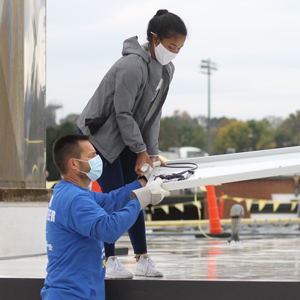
{"x":255,"y":44}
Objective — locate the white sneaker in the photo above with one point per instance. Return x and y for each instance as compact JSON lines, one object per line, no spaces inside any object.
{"x":115,"y":270}
{"x":146,"y":267}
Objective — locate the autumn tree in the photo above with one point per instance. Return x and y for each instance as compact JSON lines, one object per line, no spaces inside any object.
{"x":234,"y":135}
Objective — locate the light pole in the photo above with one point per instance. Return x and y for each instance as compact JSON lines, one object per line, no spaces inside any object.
{"x":207,"y":64}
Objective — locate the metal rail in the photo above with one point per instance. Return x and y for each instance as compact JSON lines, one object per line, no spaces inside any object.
{"x":223,"y":222}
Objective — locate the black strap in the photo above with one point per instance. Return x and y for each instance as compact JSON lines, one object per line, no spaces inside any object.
{"x":95,"y":123}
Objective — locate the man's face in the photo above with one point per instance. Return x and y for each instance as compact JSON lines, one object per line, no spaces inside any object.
{"x":88,"y":152}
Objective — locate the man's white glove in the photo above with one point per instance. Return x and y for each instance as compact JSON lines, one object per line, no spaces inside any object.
{"x":153,"y":193}
{"x":147,"y":169}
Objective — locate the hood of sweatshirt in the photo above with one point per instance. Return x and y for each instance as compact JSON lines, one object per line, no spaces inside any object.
{"x":132,"y":46}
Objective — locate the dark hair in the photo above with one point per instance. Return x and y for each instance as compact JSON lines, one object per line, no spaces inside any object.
{"x":165,"y":25}
{"x":65,"y":148}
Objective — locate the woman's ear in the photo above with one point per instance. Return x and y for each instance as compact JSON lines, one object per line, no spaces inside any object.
{"x":155,"y":39}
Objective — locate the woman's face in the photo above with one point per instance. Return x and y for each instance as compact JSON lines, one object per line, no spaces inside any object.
{"x":173,"y":44}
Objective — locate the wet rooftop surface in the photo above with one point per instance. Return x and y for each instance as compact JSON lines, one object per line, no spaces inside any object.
{"x":184,"y":256}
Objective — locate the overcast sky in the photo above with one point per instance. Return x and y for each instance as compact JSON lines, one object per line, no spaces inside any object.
{"x":255,"y":44}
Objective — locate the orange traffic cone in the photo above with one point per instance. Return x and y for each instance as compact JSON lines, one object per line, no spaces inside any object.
{"x":214,"y":219}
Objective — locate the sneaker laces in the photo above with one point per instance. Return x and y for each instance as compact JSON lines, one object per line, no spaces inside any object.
{"x":149,"y":261}
{"x":116,"y":265}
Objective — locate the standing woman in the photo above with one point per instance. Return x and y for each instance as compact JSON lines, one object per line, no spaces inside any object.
{"x":123,"y":119}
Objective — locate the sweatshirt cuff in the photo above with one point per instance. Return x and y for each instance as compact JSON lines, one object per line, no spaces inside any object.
{"x":143,"y":195}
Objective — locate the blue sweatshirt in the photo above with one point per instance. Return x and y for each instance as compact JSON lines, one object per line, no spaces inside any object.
{"x":78,"y":222}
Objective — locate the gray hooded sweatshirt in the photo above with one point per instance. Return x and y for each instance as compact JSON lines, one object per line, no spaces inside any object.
{"x":125,"y":110}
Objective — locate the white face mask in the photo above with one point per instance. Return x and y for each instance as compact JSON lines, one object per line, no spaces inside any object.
{"x":96,"y":168}
{"x":163,"y":55}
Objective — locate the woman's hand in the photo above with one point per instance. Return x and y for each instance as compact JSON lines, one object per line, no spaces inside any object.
{"x":142,"y":158}
{"x":156,"y":158}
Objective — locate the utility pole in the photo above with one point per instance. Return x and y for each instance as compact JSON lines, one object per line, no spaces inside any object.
{"x":207,"y":64}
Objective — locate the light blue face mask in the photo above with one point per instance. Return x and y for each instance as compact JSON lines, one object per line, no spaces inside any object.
{"x":96,"y":167}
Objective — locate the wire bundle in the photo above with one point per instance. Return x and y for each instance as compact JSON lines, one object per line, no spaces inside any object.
{"x":183,"y":175}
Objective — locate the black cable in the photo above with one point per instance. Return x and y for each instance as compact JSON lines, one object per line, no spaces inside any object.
{"x":180,"y":175}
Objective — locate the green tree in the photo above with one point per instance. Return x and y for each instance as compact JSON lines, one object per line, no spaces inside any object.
{"x":234,"y":135}
{"x":192,"y":135}
{"x":52,"y":134}
{"x":288,"y":134}
{"x":168,"y":134}
{"x":181,"y":130}
{"x":262,"y":135}
{"x":283,"y":137}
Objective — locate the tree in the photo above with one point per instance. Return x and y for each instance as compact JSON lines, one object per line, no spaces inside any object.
{"x":234,"y":135}
{"x":283,"y":137}
{"x":168,"y":135}
{"x":288,"y":134}
{"x":262,"y":135}
{"x":274,"y":122}
{"x":52,"y":134}
{"x":192,"y":135}
{"x":181,"y":130}
{"x":245,"y":136}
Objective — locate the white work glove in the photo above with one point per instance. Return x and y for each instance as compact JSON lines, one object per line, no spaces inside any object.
{"x":153,"y":193}
{"x":147,"y":169}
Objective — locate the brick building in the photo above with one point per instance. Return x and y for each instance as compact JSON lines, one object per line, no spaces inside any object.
{"x":282,"y":188}
{"x":269,"y":188}
{"x":262,"y":188}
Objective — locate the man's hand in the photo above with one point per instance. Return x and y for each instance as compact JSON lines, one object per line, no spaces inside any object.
{"x":157,"y":192}
{"x":153,"y":193}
